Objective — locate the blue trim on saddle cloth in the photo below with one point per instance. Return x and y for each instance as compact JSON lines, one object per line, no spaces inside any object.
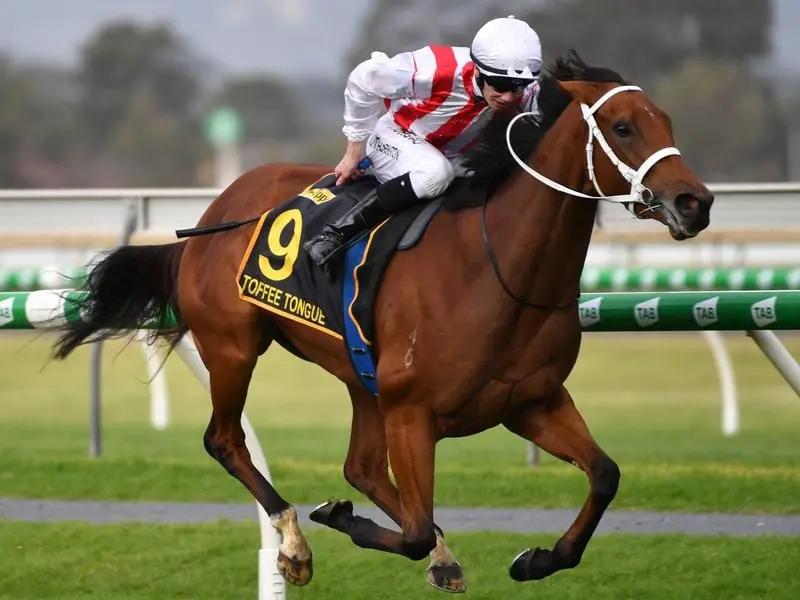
{"x":360,"y":352}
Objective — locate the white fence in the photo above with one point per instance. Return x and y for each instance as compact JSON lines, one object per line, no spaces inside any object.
{"x":761,"y":206}
{"x":750,"y":224}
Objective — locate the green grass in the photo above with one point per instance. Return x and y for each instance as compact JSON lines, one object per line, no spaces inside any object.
{"x":652,"y":402}
{"x":218,"y":561}
{"x":173,"y":466}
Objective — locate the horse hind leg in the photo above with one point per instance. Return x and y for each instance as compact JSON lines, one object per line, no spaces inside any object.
{"x":230,"y":360}
{"x":366,"y":468}
{"x":559,"y":429}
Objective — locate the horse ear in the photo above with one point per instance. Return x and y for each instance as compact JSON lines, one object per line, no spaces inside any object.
{"x":579,"y":90}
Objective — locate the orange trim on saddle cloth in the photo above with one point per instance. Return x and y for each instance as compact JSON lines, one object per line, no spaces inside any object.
{"x":309,"y":187}
{"x":267,"y":307}
{"x":355,"y":280}
{"x":249,"y":249}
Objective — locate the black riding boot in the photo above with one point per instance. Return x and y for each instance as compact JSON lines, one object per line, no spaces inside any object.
{"x":385,"y":200}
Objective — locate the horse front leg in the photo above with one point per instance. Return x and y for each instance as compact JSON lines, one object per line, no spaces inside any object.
{"x":411,"y":443}
{"x":366,"y":468}
{"x":556,"y":426}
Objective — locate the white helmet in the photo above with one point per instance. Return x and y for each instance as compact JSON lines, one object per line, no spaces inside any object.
{"x":507,"y":47}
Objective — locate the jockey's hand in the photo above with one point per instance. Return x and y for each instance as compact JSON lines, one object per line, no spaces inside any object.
{"x":347,"y":169}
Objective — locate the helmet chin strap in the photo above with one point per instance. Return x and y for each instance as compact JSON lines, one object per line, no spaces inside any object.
{"x":639,"y":194}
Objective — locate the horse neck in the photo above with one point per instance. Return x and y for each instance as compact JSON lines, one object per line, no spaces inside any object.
{"x":541,"y":236}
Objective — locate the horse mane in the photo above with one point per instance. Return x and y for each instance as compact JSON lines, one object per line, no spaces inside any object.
{"x":489,"y":163}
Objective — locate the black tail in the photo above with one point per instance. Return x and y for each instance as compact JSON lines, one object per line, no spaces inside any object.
{"x":130,"y":288}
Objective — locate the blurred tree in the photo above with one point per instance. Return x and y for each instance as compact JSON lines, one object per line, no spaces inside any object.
{"x":37,"y":126}
{"x":140,"y":88}
{"x":721,"y":118}
{"x":725,"y":120}
{"x":393,"y":26}
{"x":267,"y":106}
{"x":640,"y":38}
{"x":52,"y":132}
{"x":643,"y":38}
{"x":151,"y":149}
{"x":15,"y":116}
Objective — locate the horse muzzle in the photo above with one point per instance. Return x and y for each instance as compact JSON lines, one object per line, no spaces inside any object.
{"x":686,"y":213}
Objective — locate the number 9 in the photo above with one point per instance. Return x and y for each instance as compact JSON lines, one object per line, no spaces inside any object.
{"x":289,"y":251}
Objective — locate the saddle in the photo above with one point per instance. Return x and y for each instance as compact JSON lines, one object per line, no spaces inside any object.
{"x":278,"y":276}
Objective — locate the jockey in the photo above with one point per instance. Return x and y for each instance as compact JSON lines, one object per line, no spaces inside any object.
{"x":437,"y":100}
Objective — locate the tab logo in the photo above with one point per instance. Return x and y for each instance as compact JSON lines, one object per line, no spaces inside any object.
{"x":589,"y":312}
{"x":705,"y":312}
{"x":736,"y":279}
{"x":590,"y":278}
{"x":707,"y":278}
{"x":648,"y":279}
{"x":5,"y":312}
{"x":677,"y":279}
{"x":793,"y":279}
{"x":619,"y":279}
{"x":646,"y":313}
{"x":763,"y":312}
{"x":765,"y":279}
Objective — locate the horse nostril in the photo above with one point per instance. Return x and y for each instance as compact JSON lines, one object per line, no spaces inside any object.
{"x":688,"y":204}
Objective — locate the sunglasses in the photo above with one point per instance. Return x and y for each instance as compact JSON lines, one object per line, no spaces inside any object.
{"x":507,"y":84}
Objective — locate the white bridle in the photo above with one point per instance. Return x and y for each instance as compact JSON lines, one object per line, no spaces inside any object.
{"x":639,"y":194}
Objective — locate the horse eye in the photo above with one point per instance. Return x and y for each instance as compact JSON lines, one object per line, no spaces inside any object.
{"x":622,"y":129}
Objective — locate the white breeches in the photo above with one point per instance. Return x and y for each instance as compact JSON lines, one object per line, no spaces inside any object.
{"x":395,"y":152}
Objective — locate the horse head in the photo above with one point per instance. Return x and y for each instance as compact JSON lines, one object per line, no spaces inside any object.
{"x":632,"y":159}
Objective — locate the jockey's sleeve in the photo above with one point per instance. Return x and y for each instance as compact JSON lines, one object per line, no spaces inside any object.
{"x":368,"y":85}
{"x":530,"y":98}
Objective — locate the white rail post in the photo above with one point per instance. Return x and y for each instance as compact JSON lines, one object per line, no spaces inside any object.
{"x":727,"y":380}
{"x":156,"y":371}
{"x":271,"y":585}
{"x":777,"y":353}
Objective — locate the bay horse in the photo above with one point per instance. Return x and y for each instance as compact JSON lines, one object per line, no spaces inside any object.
{"x":477,"y":325}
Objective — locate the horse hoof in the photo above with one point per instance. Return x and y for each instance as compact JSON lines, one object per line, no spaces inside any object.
{"x":294,"y":570}
{"x":336,"y":514}
{"x":448,"y":578}
{"x":533,"y":564}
